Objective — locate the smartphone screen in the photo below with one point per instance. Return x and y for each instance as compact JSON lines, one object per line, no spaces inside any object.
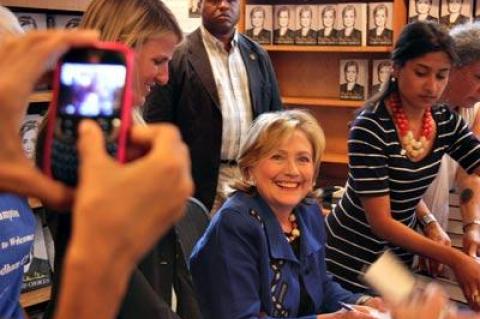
{"x":91,"y":90}
{"x":95,"y":83}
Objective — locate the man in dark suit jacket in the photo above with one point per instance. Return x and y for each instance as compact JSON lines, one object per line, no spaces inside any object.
{"x":192,"y":101}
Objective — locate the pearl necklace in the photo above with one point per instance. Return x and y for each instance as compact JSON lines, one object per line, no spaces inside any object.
{"x":295,"y":232}
{"x":412,"y":147}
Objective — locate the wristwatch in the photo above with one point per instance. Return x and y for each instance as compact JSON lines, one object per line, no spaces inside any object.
{"x":427,"y":219}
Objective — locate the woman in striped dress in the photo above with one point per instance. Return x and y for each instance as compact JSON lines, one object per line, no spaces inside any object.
{"x":395,"y":147}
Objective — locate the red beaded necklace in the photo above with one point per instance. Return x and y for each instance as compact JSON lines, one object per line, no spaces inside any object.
{"x":412,"y":147}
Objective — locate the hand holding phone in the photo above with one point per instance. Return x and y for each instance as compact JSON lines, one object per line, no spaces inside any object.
{"x":91,"y":82}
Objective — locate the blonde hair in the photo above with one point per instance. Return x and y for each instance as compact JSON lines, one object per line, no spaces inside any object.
{"x":132,"y":22}
{"x":266,"y":134}
{"x":9,"y":25}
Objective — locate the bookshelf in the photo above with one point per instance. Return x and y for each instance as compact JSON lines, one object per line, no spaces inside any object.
{"x":308,"y":78}
{"x":35,"y":297}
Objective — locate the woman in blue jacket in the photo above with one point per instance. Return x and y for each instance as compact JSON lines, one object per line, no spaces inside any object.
{"x":263,"y":253}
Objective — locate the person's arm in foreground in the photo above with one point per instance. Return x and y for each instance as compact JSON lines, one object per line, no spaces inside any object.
{"x":469,"y":189}
{"x":120,"y":211}
{"x":22,"y":61}
{"x":108,"y":238}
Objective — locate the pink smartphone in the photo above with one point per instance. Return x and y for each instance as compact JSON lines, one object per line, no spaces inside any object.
{"x":95,"y":83}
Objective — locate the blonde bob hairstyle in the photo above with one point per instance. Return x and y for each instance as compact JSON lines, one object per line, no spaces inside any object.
{"x":131,"y":22}
{"x":267,"y":132}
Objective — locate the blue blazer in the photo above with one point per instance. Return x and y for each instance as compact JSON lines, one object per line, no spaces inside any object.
{"x":243,"y":266}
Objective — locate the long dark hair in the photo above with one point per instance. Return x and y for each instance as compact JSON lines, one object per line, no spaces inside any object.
{"x":415,"y":40}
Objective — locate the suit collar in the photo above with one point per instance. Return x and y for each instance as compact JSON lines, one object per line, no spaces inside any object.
{"x":198,"y":57}
{"x":277,"y":242}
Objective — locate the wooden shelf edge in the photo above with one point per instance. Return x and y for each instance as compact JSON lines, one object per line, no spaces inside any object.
{"x":320,"y":102}
{"x":311,"y":48}
{"x":40,"y":97}
{"x":335,"y":158}
{"x":35,"y":297}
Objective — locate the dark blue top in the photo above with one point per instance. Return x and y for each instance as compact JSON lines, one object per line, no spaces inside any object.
{"x":17,"y":227}
{"x":244,"y":267}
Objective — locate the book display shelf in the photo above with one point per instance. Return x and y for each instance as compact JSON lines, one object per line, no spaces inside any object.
{"x":308,"y":75}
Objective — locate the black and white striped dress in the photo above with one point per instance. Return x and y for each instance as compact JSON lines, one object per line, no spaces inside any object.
{"x":377,"y":167}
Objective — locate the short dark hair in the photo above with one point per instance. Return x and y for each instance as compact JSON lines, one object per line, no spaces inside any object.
{"x":415,"y":40}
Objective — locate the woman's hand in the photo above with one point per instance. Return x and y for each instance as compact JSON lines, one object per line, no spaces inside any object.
{"x":467,"y":272}
{"x":432,"y":303}
{"x":376,"y":303}
{"x":436,"y":233}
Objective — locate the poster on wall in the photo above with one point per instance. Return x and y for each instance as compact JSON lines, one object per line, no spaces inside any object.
{"x":187,"y":13}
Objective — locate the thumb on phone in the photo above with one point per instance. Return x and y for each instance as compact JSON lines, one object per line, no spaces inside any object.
{"x":91,"y":143}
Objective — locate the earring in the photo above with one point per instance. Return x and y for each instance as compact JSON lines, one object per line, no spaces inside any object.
{"x":393,"y":79}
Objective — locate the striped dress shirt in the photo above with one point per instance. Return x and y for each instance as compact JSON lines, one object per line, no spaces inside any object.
{"x":233,"y":90}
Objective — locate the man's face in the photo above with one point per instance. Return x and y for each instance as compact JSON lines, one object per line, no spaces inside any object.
{"x":305,"y":19}
{"x":423,"y":6}
{"x":349,"y":19}
{"x":283,"y":19}
{"x":454,"y":6}
{"x":220,"y":16}
{"x":257,"y":19}
{"x":351,"y":74}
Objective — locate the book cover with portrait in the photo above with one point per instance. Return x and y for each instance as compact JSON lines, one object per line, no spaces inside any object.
{"x":380,"y":24}
{"x":307,"y":25}
{"x":477,"y":10}
{"x":36,"y":267}
{"x":66,"y":21}
{"x":353,"y":79}
{"x":194,"y":9}
{"x":381,"y":70}
{"x":259,"y":23}
{"x":455,"y":12}
{"x":423,"y":10}
{"x":327,"y":24}
{"x":32,"y":21}
{"x":284,"y":24}
{"x":29,"y":132}
{"x":352,"y":24}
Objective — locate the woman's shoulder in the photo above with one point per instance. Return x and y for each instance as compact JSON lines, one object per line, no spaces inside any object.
{"x":237,"y":210}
